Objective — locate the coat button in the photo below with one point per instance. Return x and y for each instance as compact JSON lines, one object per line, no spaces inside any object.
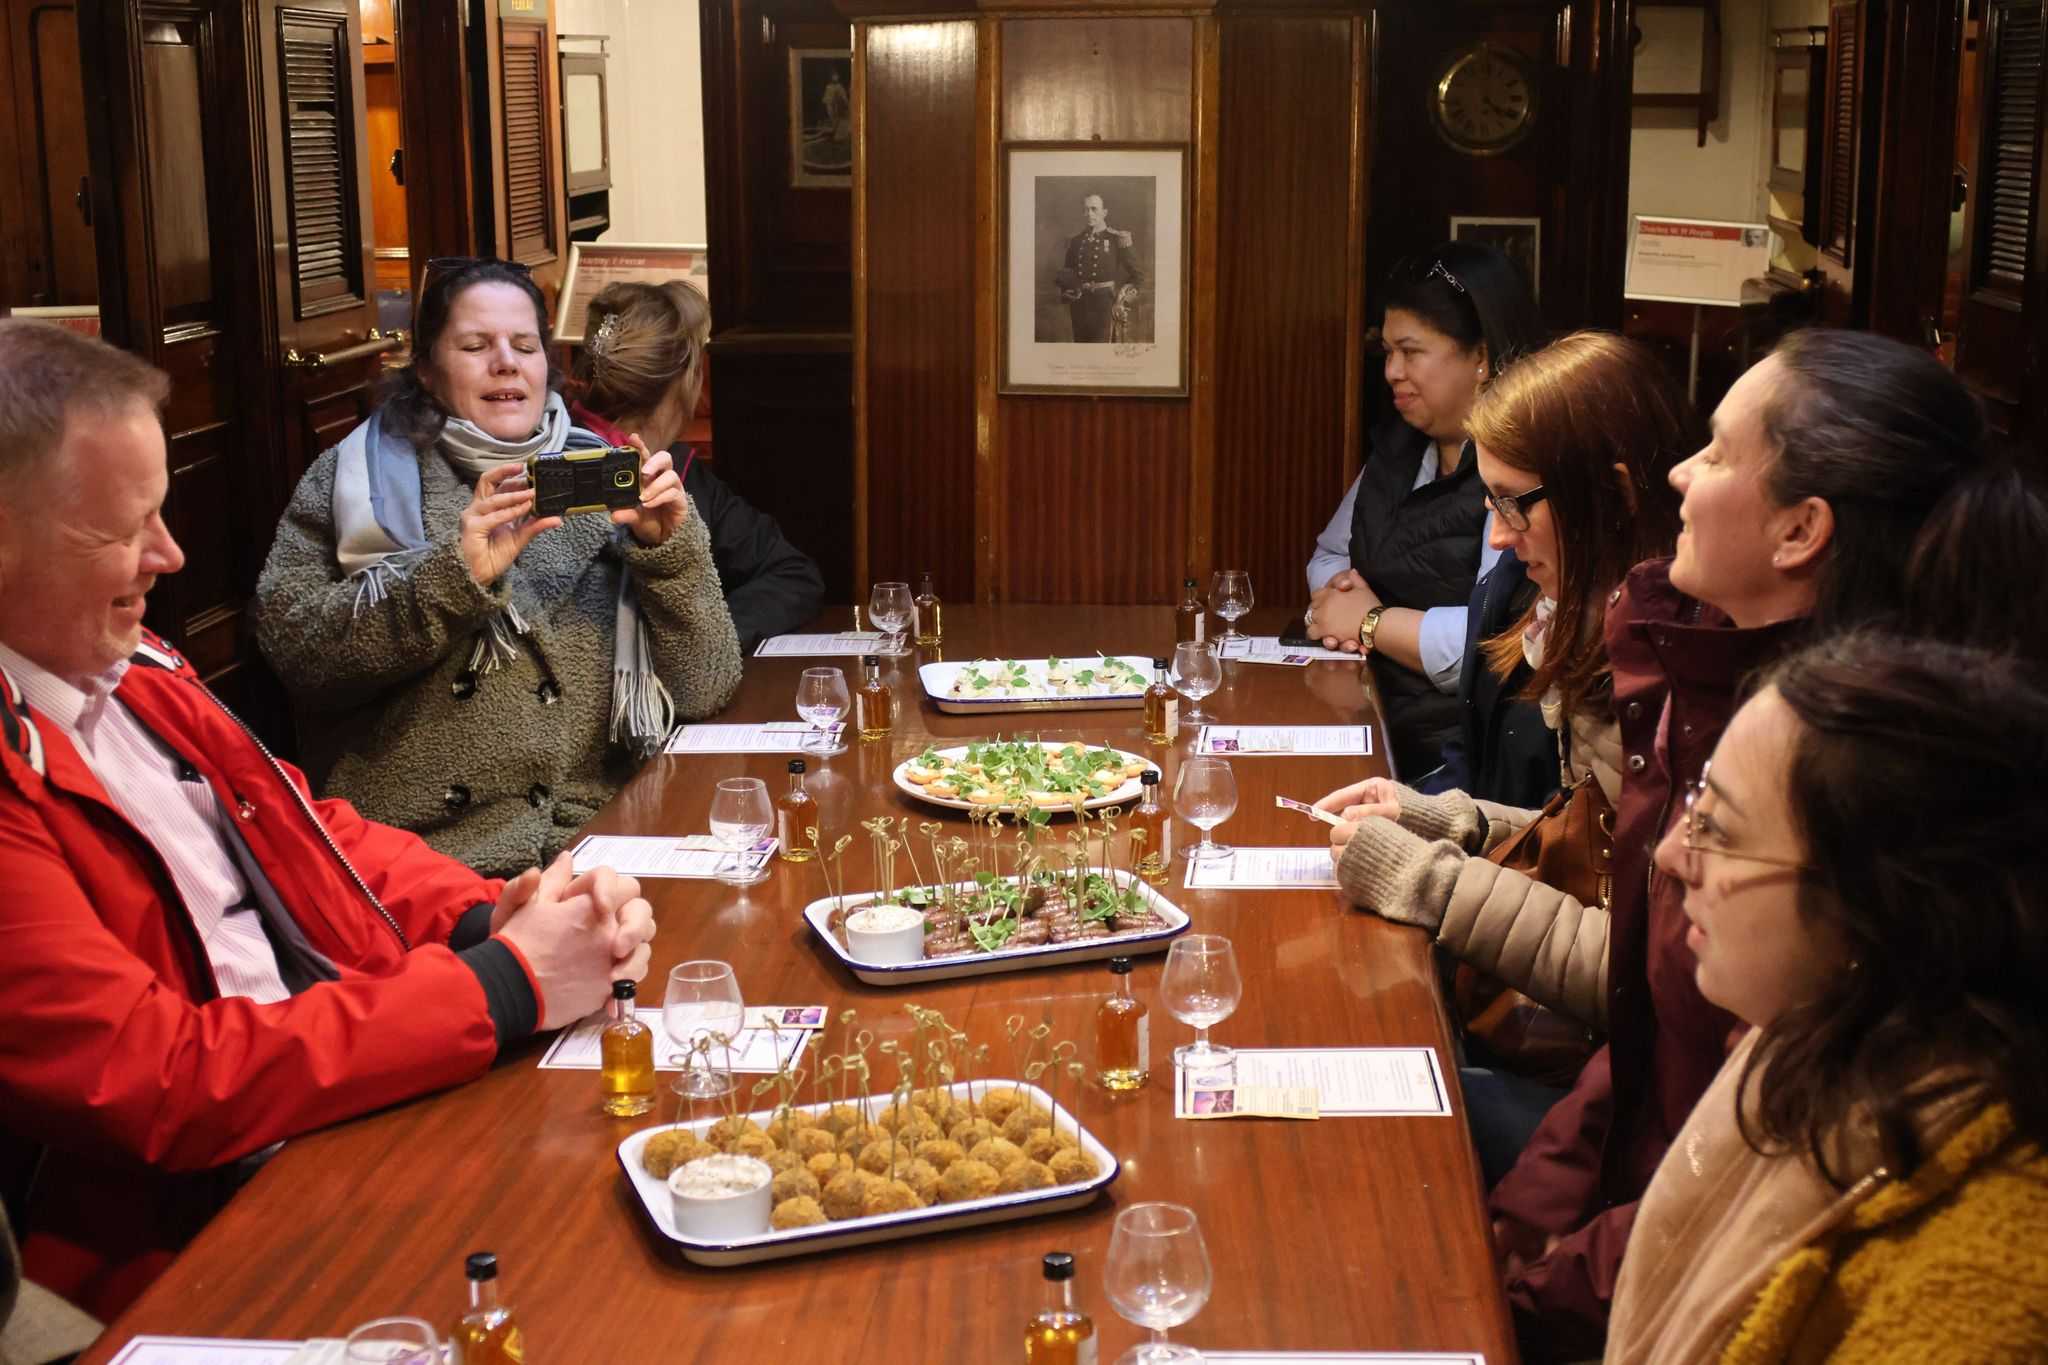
{"x":536,"y":795}
{"x":1636,"y":763}
{"x":456,"y":797}
{"x":1635,"y":710}
{"x":244,"y":809}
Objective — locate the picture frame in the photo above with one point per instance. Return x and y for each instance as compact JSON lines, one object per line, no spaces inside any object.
{"x":1519,"y":239}
{"x":593,"y":265}
{"x":821,"y":118}
{"x":1094,"y":270}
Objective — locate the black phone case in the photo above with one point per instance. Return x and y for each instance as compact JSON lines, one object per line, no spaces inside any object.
{"x":574,"y":481}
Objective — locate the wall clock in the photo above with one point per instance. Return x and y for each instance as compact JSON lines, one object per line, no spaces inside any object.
{"x":1485,"y":100}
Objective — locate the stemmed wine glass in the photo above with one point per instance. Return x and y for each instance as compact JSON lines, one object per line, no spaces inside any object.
{"x":740,"y":818}
{"x":890,"y":609}
{"x":1230,"y":596}
{"x":1196,"y":672}
{"x":1158,"y":1275}
{"x":1205,"y":794}
{"x":822,"y":699}
{"x":1201,"y":988}
{"x":703,"y":1002}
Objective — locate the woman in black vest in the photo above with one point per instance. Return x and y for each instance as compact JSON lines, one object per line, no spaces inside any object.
{"x":1412,"y":527}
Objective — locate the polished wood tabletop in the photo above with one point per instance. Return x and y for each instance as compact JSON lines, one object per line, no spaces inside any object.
{"x":1337,"y":1234}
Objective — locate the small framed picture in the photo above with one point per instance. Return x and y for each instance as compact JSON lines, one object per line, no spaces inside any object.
{"x":1095,"y":268}
{"x":821,"y":118}
{"x":1519,"y":239}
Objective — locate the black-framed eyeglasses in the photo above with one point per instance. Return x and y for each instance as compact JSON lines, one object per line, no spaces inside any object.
{"x":1513,"y":508}
{"x":440,"y":268}
{"x":1698,"y":824}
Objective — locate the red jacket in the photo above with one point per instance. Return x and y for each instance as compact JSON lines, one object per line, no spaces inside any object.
{"x":118,"y":1056}
{"x":1679,"y":669}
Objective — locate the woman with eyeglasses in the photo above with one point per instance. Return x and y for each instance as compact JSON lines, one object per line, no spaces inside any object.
{"x":1862,"y":869}
{"x":461,"y":667}
{"x":1848,"y":479}
{"x":1393,"y":571}
{"x":1574,"y":446}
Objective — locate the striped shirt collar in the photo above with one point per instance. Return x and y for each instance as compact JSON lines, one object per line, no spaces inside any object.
{"x":71,"y":708}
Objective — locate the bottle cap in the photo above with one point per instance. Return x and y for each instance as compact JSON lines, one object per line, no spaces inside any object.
{"x":1188,"y":583}
{"x":1159,"y":663}
{"x":1059,"y":1265}
{"x":796,"y":765}
{"x":871,"y":660}
{"x":1120,"y":965}
{"x":1149,"y":778}
{"x":622,"y":990}
{"x":481,"y":1265}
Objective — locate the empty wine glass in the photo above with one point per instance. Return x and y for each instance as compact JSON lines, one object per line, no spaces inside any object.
{"x":822,"y":699}
{"x":740,"y":818}
{"x":1205,"y":794}
{"x":392,"y":1341}
{"x":890,"y":609}
{"x":702,"y":1005}
{"x":1196,"y":672}
{"x":1158,"y":1275}
{"x":1201,"y":988}
{"x":1230,"y":596}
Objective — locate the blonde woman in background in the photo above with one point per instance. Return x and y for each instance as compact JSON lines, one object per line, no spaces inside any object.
{"x":640,"y":373}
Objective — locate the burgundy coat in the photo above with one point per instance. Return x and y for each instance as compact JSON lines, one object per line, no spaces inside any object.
{"x":1680,"y":668}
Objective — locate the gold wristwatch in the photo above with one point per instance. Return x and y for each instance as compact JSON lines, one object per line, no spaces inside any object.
{"x":1368,"y":628}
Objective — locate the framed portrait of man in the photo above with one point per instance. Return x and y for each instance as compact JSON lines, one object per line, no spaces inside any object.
{"x":1095,"y":268}
{"x":821,"y":118}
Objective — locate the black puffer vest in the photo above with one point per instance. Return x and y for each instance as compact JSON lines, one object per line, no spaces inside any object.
{"x":1417,"y":548}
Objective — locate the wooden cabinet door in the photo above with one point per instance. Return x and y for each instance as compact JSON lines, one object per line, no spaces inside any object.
{"x":315,"y":144}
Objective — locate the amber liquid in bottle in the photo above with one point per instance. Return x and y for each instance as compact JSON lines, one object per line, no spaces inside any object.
{"x":930,"y":629}
{"x":626,"y":1057}
{"x":874,"y":706}
{"x":1154,"y":855}
{"x":1162,"y":707}
{"x":796,"y":811}
{"x":1191,"y":617}
{"x":1060,"y":1334}
{"x":1122,"y":1035}
{"x":487,"y":1334}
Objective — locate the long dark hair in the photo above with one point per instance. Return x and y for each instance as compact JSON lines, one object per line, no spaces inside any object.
{"x":1887,"y":437}
{"x":1914,"y":789}
{"x":410,"y":408}
{"x":1471,"y":293}
{"x":1568,"y":414}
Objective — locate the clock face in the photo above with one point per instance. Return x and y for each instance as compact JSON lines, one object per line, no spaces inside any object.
{"x":1485,"y":102}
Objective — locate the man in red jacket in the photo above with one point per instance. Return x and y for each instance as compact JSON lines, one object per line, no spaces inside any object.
{"x":201,"y":959}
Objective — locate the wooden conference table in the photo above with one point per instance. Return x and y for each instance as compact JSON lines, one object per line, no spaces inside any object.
{"x":1338,"y":1234}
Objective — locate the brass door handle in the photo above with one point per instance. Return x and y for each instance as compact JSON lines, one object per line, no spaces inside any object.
{"x":377,"y":343}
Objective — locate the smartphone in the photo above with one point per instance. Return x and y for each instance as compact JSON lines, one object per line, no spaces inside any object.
{"x":571,"y":481}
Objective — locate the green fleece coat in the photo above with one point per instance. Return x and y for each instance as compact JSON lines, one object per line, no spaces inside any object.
{"x":501,"y":778}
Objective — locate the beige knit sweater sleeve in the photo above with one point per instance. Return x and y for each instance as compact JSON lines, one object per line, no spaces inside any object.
{"x":1539,"y":940}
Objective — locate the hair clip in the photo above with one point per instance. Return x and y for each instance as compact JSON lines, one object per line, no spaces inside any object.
{"x":600,"y":343}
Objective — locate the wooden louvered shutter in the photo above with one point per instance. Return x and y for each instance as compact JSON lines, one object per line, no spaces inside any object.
{"x":530,"y":217}
{"x":2008,"y":154}
{"x":1840,"y":130}
{"x":322,"y":204}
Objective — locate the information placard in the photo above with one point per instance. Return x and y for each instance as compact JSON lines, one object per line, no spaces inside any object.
{"x":593,"y":265}
{"x":1694,"y":260}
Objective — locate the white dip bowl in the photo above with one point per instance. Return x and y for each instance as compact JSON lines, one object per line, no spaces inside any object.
{"x":720,"y":1198}
{"x":890,"y":934}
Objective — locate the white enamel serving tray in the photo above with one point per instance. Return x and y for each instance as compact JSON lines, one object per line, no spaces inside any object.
{"x":1130,"y":790}
{"x":883,"y":1227}
{"x":938,"y":685}
{"x":818,"y":915}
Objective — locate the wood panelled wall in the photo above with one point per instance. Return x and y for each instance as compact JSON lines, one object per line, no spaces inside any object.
{"x":1312,"y":169}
